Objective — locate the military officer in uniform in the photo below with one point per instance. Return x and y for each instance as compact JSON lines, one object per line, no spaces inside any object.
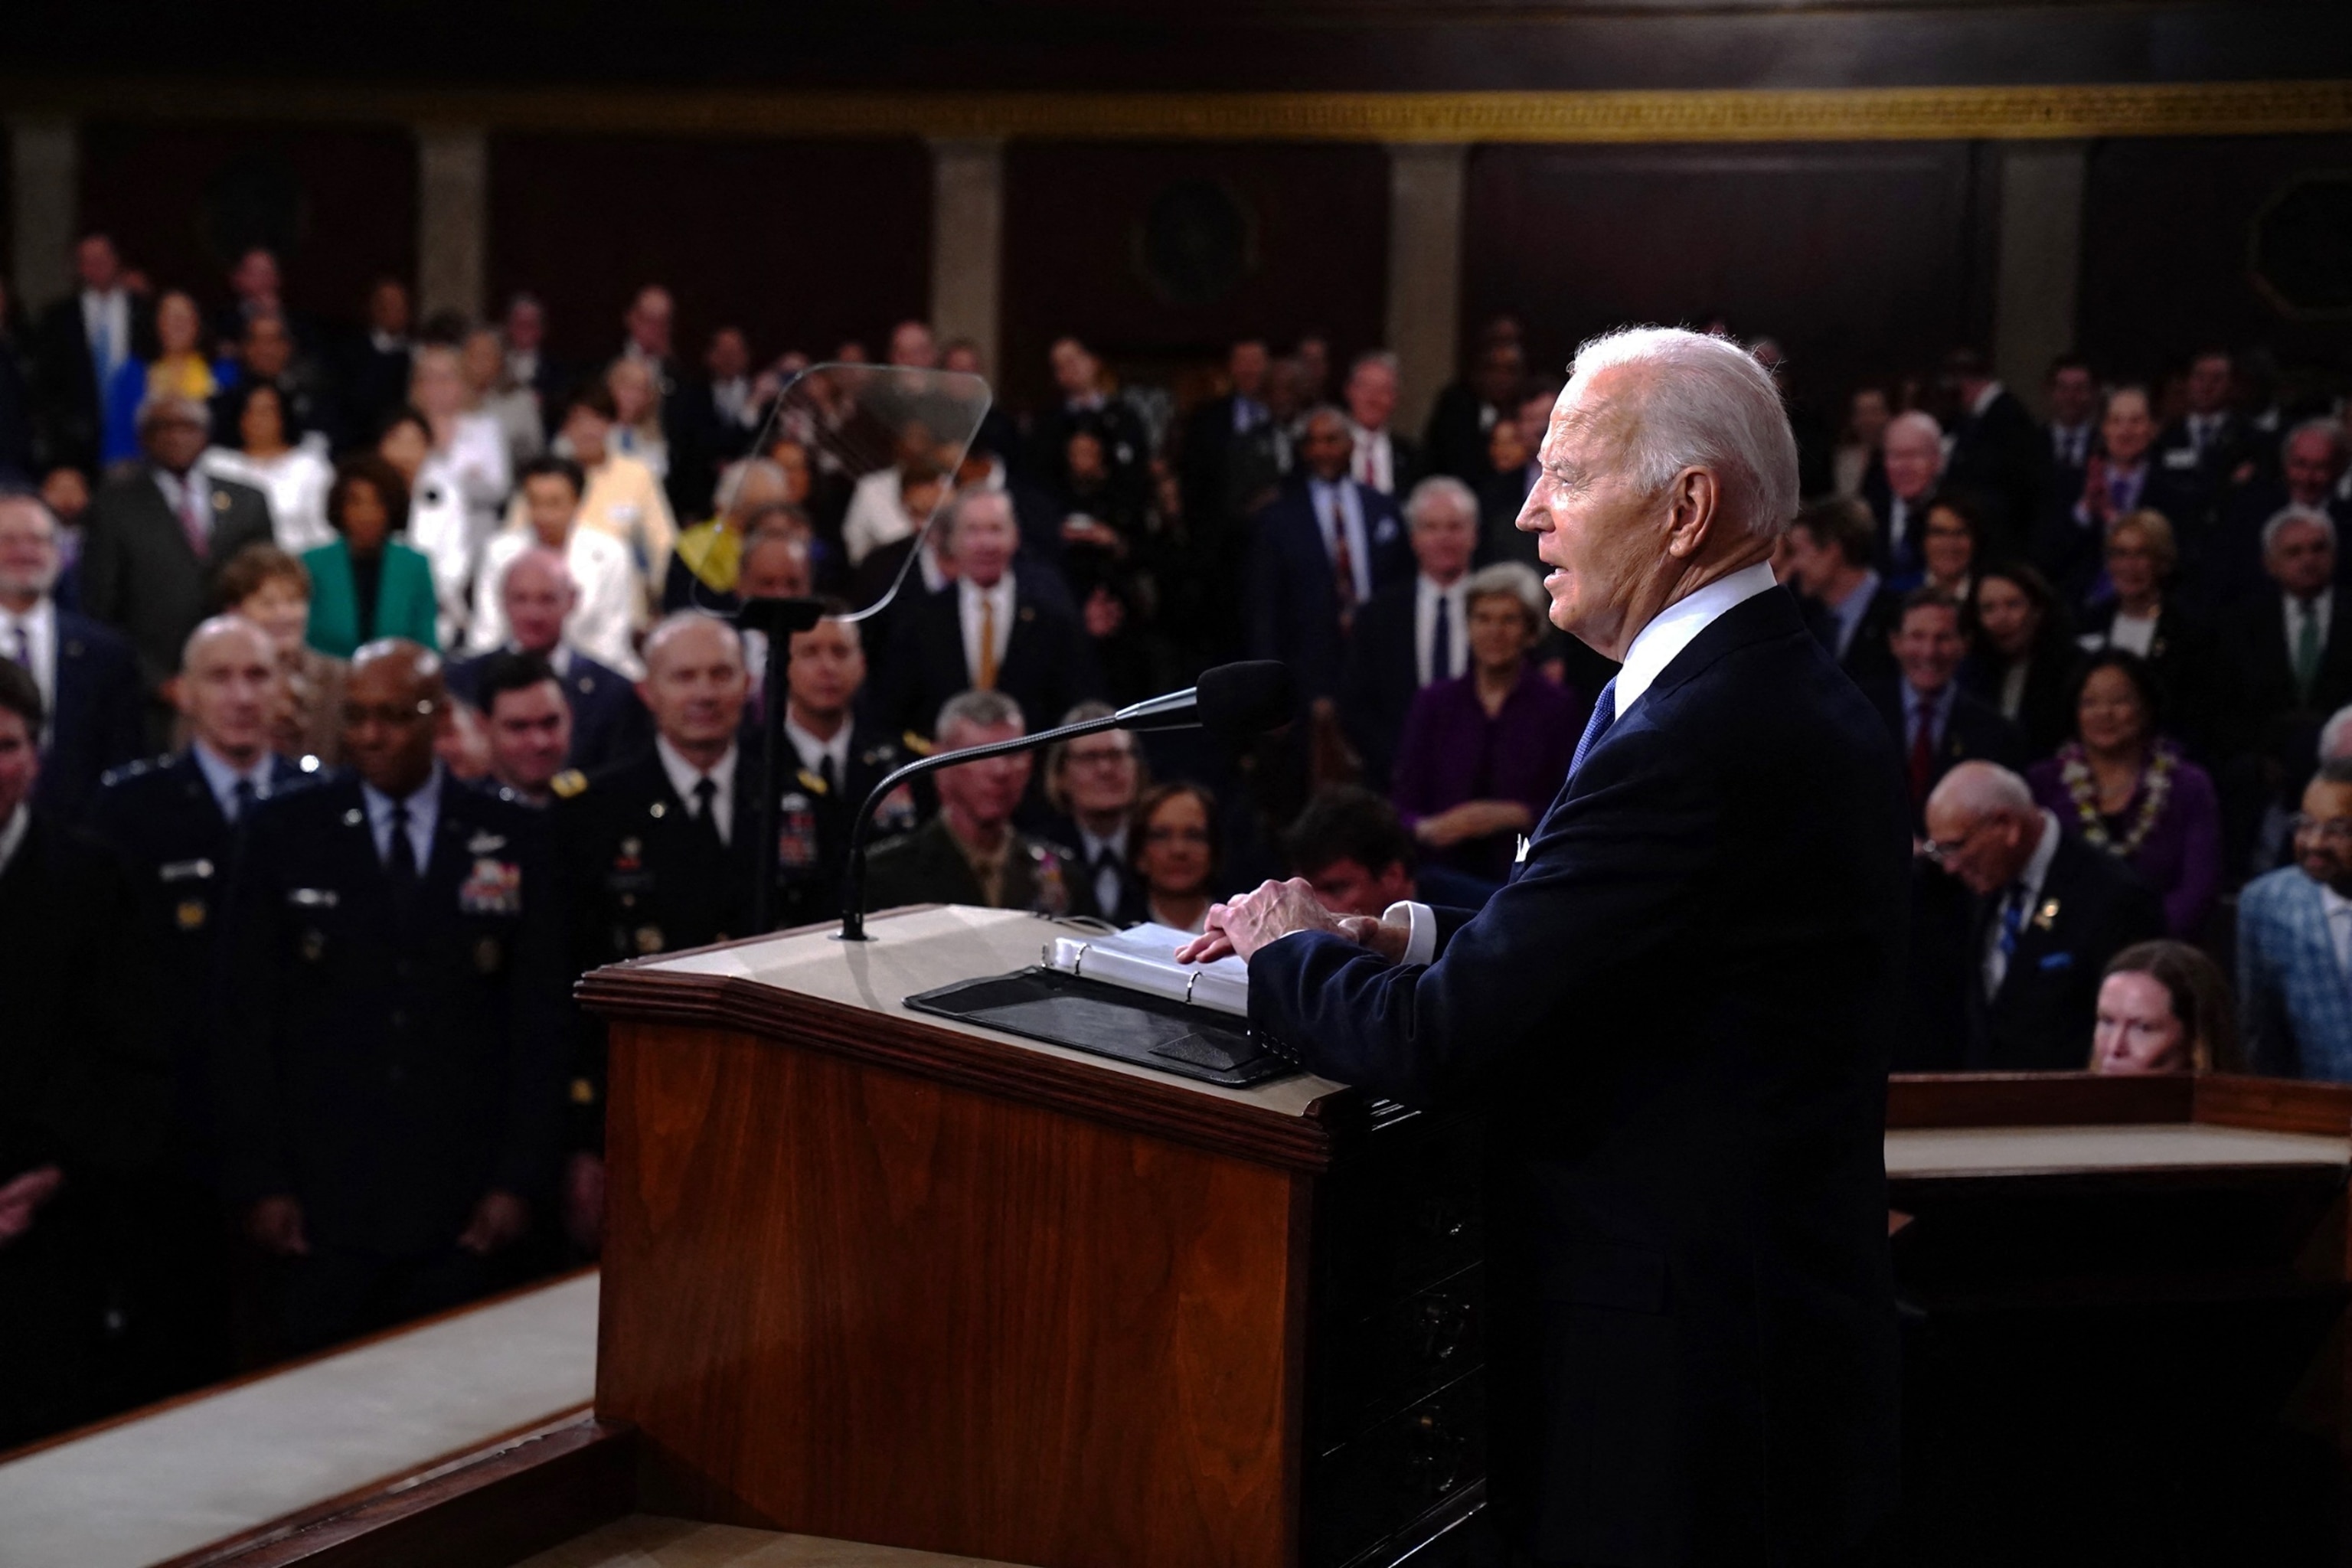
{"x":838,"y":760}
{"x":971,"y":853}
{"x":174,"y":821}
{"x":658,"y":851}
{"x":390,"y":1048}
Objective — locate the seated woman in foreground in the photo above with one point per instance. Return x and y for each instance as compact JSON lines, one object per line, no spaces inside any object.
{"x":2164,"y":1006}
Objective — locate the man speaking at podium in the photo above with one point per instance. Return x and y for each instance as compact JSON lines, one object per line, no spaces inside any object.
{"x":1675,"y":1017}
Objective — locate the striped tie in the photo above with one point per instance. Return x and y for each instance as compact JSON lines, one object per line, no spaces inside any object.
{"x":1604,"y":714}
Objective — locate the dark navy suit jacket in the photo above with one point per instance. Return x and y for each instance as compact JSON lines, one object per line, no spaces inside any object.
{"x":100,"y":718}
{"x":1293,"y":600}
{"x":1692,"y":1352}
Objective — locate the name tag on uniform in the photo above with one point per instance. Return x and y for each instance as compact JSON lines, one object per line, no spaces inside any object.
{"x":491,"y":888}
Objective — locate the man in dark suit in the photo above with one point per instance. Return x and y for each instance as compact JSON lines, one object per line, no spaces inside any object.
{"x":2070,"y":433}
{"x":2123,"y":475}
{"x":971,"y":853}
{"x":2210,"y":440}
{"x":78,"y":1101}
{"x":2286,"y":664}
{"x":1383,"y":460}
{"x":79,"y":343}
{"x":1092,"y":784}
{"x":1319,"y":551}
{"x":1218,"y":426}
{"x":388,"y":1053}
{"x":1912,"y":451}
{"x":1502,"y":495}
{"x":991,"y":629}
{"x":839,"y":760}
{"x":1938,"y":724}
{"x":1829,"y":548}
{"x":1999,"y":455}
{"x":2049,"y":911}
{"x":1691,"y":1343}
{"x":538,"y":595}
{"x":1084,"y":406}
{"x":175,"y":822}
{"x":157,"y":532}
{"x":1467,"y":411}
{"x":2312,"y":459}
{"x":659,"y":849}
{"x":1415,"y":633}
{"x":376,"y":363}
{"x":88,"y":679}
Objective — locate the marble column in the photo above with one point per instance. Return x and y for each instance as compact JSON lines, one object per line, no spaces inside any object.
{"x":44,"y":184}
{"x":1424,"y":318}
{"x":453,"y":220}
{"x":2040,"y":266}
{"x":968,"y":243}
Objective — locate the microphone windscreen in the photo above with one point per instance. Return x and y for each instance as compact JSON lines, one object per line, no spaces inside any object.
{"x":1241,"y":701}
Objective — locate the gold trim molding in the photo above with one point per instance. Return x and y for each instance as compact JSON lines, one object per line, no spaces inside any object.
{"x":1847,"y":115}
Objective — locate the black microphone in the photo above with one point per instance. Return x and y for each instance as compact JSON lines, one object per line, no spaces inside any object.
{"x":1234,"y":701}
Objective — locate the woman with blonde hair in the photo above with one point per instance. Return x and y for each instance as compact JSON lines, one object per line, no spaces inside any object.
{"x":2145,"y":618}
{"x":2164,"y":1006}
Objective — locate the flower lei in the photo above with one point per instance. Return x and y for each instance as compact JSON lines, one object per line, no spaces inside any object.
{"x":2082,"y":790}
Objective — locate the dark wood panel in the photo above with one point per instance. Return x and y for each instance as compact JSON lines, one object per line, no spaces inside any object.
{"x":844,"y":1300}
{"x":1862,"y":260}
{"x":800,"y":243}
{"x":504,"y":1507}
{"x":2167,"y":251}
{"x":1003,"y":1065}
{"x":2275,"y":1104}
{"x":337,"y":203}
{"x":1075,"y":219}
{"x":2034,"y":1100}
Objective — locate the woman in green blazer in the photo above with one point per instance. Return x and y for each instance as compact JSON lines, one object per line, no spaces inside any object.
{"x":365,"y":585}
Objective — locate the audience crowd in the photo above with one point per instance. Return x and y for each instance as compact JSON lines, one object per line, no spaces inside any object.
{"x":360,"y":690}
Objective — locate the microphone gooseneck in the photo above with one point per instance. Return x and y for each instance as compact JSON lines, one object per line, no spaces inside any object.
{"x":1234,"y":701}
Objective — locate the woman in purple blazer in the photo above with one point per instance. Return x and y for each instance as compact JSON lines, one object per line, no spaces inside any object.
{"x":1482,"y":753}
{"x":2121,"y":787}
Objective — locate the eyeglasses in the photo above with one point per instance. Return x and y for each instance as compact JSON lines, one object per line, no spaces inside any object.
{"x":1941,"y":851}
{"x":2336,"y":831}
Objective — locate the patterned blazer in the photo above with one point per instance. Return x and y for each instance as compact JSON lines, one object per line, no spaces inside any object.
{"x":2294,"y":1003}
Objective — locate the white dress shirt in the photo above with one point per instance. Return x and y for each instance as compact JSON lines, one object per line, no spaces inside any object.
{"x":969,"y":596}
{"x":2339,"y":927}
{"x":1374,"y":461}
{"x":222,"y":777}
{"x":1424,"y":627}
{"x":174,"y":489}
{"x":39,"y":629}
{"x":599,"y":624}
{"x":423,"y":816}
{"x":684,"y":776}
{"x":12,"y":833}
{"x":875,"y":517}
{"x":106,"y":324}
{"x":2322,"y":609}
{"x":1672,"y":629}
{"x":1343,"y":499}
{"x":1105,"y":880}
{"x":1899,"y":523}
{"x":2133,"y":634}
{"x":2037,"y":869}
{"x":813,"y":752}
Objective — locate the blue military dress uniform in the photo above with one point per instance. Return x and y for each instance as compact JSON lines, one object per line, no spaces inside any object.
{"x":390,"y":1049}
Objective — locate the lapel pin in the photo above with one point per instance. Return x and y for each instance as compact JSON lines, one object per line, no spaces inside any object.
{"x":2044,"y":917}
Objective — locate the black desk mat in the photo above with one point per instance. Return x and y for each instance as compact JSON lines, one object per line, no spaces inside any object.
{"x":1110,"y":1021}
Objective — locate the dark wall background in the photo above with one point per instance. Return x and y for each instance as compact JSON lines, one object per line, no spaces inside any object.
{"x":1861,"y":260}
{"x":1277,"y":240}
{"x":338,"y":203}
{"x":801,"y":244}
{"x":2168,"y":249}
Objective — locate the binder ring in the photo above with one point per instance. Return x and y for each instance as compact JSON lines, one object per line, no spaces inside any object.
{"x":1190,"y":980}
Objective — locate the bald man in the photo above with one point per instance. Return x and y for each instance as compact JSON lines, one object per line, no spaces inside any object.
{"x":538,"y":597}
{"x":2048,"y":913}
{"x":174,"y":821}
{"x":390,"y":1052}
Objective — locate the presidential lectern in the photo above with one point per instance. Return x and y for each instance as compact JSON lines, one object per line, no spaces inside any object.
{"x":885,"y":1277}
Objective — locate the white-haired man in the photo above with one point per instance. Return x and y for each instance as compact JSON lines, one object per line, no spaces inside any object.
{"x":1692,"y":1355}
{"x":1913,"y":453}
{"x":1382,"y":458}
{"x":1413,"y":633}
{"x":2049,"y":911}
{"x":2287,"y":655}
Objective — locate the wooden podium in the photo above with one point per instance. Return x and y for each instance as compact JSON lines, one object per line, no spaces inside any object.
{"x":878,"y":1276}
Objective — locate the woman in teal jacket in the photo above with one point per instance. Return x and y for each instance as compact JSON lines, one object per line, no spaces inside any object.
{"x":365,"y":585}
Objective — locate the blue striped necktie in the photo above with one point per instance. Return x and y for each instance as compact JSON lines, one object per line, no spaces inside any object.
{"x":1604,"y":714}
